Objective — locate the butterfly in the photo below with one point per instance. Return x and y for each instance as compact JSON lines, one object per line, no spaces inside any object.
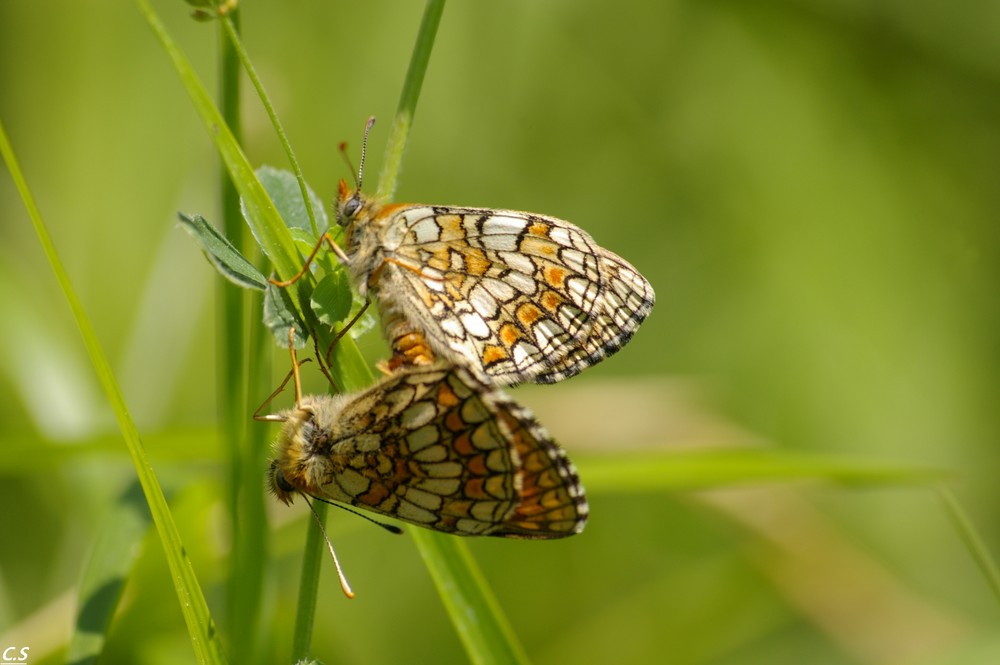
{"x":512,"y":296}
{"x":433,"y":446}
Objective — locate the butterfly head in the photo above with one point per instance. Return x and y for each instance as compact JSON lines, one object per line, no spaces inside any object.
{"x":349,"y":204}
{"x":283,"y":490}
{"x":293,"y":453}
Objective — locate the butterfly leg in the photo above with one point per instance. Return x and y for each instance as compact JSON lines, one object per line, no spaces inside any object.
{"x":334,"y":247}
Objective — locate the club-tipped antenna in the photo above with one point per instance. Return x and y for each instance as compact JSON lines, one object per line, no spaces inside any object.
{"x":364,"y":150}
{"x":391,"y":528}
{"x":344,"y":585}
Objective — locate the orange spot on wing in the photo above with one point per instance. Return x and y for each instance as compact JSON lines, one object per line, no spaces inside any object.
{"x":451,"y":227}
{"x":462,"y":444}
{"x":474,"y":489}
{"x":476,"y":464}
{"x":551,"y":300}
{"x":528,"y":314}
{"x":440,"y":259}
{"x":494,"y":354}
{"x":476,"y":262}
{"x":446,"y":396}
{"x":534,"y":246}
{"x":376,"y":495}
{"x":555,"y":276}
{"x":539,"y":229}
{"x":509,"y":334}
{"x":453,"y":422}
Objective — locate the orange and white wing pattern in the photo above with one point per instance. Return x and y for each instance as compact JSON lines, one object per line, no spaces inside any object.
{"x":513,"y":296}
{"x":435,"y":447}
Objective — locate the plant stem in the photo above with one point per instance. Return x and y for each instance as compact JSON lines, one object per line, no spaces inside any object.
{"x":414,"y":81}
{"x":237,"y":44}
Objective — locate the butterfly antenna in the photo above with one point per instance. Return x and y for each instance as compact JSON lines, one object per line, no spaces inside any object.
{"x":388,"y":527}
{"x":364,"y":150}
{"x":344,"y":586}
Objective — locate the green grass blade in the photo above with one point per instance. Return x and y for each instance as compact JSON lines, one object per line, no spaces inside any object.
{"x":403,"y":121}
{"x":478,"y":619}
{"x":238,"y":371}
{"x":201,"y":628}
{"x":695,"y":470}
{"x":313,"y":554}
{"x":970,"y":536}
{"x":265,"y":223}
{"x":232,"y":33}
{"x":477,"y":616}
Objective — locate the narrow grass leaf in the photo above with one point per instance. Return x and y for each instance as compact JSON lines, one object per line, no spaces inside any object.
{"x":679,"y":471}
{"x":201,"y":627}
{"x":478,"y":618}
{"x":973,"y":541}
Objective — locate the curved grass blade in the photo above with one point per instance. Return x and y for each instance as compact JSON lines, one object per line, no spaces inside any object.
{"x":973,"y":542}
{"x":201,"y":628}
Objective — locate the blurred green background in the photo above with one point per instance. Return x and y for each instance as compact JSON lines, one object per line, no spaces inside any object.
{"x":810,"y":186}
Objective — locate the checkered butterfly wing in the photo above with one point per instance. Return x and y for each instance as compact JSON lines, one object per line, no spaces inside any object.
{"x":513,"y":296}
{"x":435,"y":447}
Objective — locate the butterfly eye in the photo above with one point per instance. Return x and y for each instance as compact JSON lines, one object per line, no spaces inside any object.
{"x":279,"y":480}
{"x":350,"y":209}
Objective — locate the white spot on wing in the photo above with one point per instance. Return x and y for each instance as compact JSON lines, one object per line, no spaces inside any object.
{"x":498,"y":289}
{"x":484,"y":303}
{"x":518,"y":262}
{"x":426,"y":230}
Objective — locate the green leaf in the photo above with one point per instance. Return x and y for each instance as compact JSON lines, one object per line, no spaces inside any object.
{"x":279,"y":317}
{"x":223,"y":255}
{"x":331,"y":300}
{"x":105,"y":573}
{"x":283,"y":188}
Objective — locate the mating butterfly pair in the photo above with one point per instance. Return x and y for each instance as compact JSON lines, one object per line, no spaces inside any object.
{"x":470,"y":299}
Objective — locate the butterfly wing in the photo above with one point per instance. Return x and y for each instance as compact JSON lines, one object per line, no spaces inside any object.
{"x":435,"y":447}
{"x":518,"y":296}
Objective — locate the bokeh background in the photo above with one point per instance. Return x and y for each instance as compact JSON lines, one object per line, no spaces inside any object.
{"x":810,"y":186}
